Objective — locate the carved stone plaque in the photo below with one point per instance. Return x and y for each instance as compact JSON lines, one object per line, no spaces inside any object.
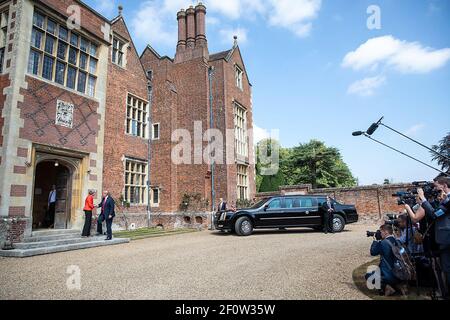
{"x":64,"y":114}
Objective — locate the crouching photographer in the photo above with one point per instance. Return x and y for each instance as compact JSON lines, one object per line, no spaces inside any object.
{"x":393,"y":269}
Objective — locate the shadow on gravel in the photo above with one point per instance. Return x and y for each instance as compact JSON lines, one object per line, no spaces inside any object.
{"x":360,"y":282}
{"x":278,"y":232}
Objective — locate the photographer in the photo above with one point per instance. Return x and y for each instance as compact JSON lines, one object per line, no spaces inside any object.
{"x":381,"y":247}
{"x":441,"y":217}
{"x":407,"y":235}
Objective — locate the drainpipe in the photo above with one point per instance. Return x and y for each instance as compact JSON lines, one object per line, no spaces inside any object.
{"x":149,"y":154}
{"x":211,"y":126}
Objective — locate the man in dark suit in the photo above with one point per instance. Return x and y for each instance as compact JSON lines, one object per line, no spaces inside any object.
{"x":222,"y":206}
{"x":328,"y":215}
{"x":107,"y":214}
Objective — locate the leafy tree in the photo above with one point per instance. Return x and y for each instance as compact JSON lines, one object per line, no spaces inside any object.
{"x":443,"y":148}
{"x":312,"y":163}
{"x":319,"y":165}
{"x":386,"y":181}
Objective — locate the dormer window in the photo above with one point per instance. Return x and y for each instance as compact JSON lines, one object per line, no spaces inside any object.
{"x":239,"y":77}
{"x":118,"y":52}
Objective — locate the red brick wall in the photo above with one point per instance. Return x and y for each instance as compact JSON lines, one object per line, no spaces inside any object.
{"x":164,"y":112}
{"x":89,"y":21}
{"x":117,"y":143}
{"x":39,"y":112}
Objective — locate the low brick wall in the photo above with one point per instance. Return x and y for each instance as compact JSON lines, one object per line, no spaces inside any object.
{"x":13,"y":228}
{"x":372,"y":202}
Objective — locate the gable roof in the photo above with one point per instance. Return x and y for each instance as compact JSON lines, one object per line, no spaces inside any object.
{"x":226,"y":55}
{"x":120,"y":18}
{"x":155,"y":53}
{"x":220,"y":55}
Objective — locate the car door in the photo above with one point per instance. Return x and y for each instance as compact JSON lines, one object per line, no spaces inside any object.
{"x":272,"y":214}
{"x":292,"y":212}
{"x":308,"y":213}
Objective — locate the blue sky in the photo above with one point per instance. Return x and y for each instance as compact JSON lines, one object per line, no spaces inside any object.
{"x":318,"y":72}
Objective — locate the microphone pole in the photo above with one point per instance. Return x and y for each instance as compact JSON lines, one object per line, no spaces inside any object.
{"x":415,"y":141}
{"x":407,"y":155}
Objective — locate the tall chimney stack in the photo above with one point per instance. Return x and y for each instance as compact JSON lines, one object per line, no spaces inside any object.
{"x":181,"y":17}
{"x":190,"y":22}
{"x":200,"y":21}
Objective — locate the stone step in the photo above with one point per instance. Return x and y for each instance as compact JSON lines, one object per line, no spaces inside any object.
{"x":58,"y":242}
{"x":21,"y":253}
{"x":50,"y":232}
{"x":52,"y":237}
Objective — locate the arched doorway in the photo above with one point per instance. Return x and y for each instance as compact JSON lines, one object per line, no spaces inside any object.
{"x":51,"y":173}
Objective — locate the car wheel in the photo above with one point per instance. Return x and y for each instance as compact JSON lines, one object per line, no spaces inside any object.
{"x":338,"y":223}
{"x":244,"y":227}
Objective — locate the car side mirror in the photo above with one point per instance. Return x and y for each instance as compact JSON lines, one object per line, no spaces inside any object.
{"x":266,"y":207}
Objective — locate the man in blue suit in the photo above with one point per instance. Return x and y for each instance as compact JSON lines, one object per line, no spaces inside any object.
{"x":107,"y":214}
{"x":383,"y":249}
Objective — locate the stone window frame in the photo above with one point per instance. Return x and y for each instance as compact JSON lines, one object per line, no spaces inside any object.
{"x":135,"y":179}
{"x":152,"y":196}
{"x":242,"y":182}
{"x":119,"y":52}
{"x":158,"y":125}
{"x":4,"y":21}
{"x":239,"y":76}
{"x":240,"y":115}
{"x":132,"y":112}
{"x":63,"y":37}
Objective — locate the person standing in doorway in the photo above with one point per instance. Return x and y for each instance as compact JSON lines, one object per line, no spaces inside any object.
{"x":107,"y":214}
{"x":52,"y":206}
{"x":88,"y":207}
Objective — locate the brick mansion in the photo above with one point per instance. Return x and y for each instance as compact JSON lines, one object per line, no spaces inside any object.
{"x":82,"y":109}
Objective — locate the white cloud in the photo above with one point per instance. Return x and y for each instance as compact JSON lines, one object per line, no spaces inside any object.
{"x":414,"y":130}
{"x":150,"y":26}
{"x":366,"y":87}
{"x":227,"y":35}
{"x":295,"y":15}
{"x":155,"y":23}
{"x":403,"y":56}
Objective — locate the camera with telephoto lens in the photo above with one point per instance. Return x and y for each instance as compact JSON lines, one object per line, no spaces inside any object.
{"x":393,"y":220}
{"x":376,"y":234}
{"x":406,"y":197}
{"x":428,"y":188}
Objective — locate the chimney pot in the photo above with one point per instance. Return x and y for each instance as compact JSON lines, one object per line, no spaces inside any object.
{"x":200,"y":30}
{"x":181,"y":17}
{"x":190,"y":22}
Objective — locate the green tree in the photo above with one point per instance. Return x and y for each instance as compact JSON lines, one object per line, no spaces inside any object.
{"x":319,"y":165}
{"x":443,"y":148}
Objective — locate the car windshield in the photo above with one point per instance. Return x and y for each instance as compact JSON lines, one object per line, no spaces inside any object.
{"x":259,"y":204}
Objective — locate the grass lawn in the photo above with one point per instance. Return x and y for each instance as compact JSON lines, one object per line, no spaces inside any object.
{"x":150,"y":233}
{"x":360,"y":282}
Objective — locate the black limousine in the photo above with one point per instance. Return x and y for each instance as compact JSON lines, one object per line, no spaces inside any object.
{"x":284,"y":212}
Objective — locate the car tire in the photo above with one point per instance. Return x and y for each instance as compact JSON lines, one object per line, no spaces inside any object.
{"x":243,"y":227}
{"x":338,"y":223}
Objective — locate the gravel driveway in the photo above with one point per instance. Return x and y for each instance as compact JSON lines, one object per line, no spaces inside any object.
{"x":294,"y":264}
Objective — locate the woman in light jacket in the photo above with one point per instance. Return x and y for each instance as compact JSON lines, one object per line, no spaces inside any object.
{"x":88,"y":207}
